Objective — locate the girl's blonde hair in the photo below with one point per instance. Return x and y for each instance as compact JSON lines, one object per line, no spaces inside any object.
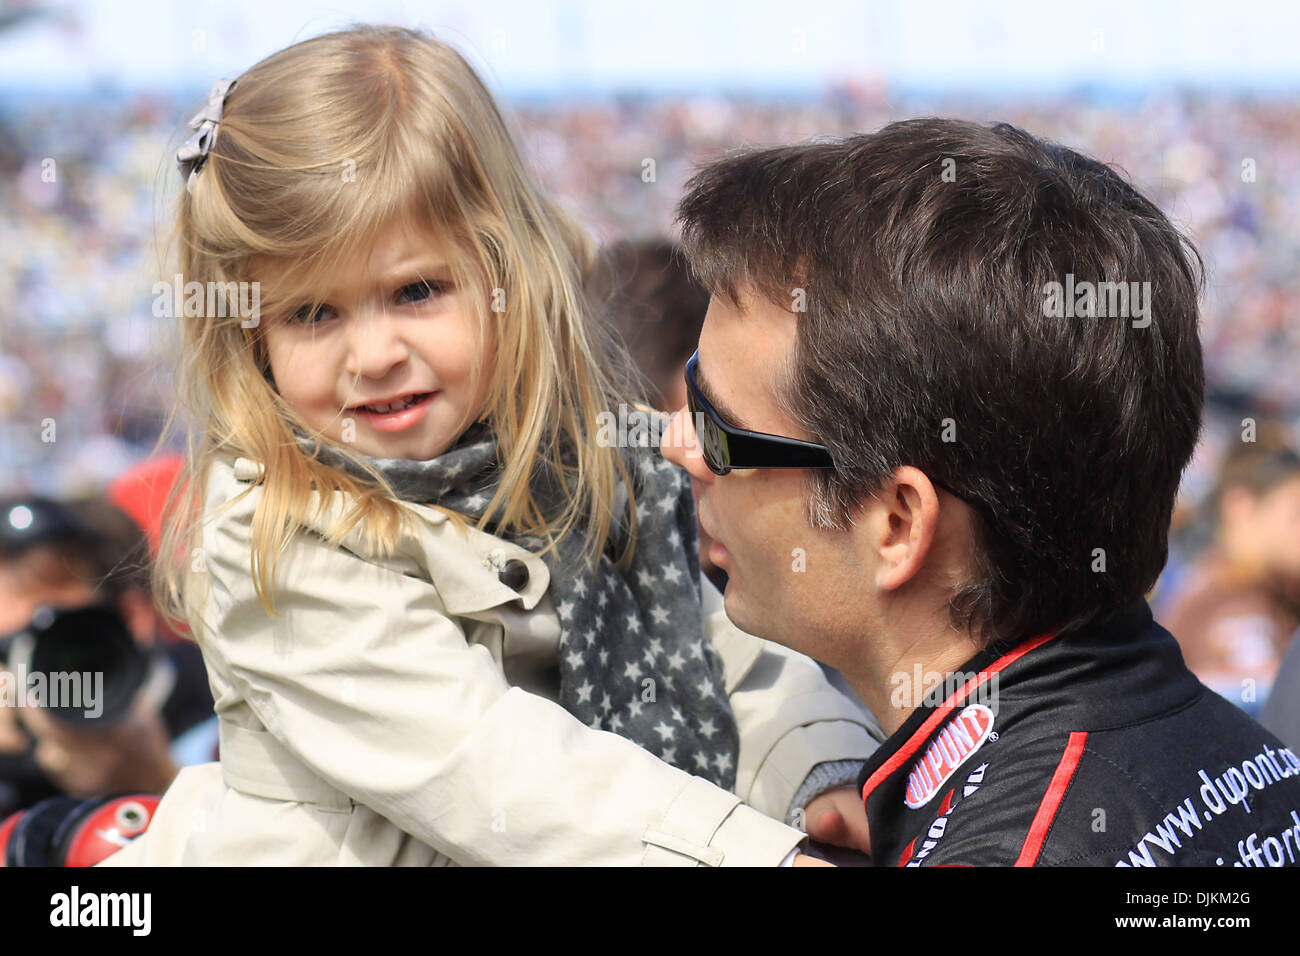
{"x":319,"y":147}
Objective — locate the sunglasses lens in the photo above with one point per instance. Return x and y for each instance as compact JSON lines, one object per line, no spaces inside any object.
{"x":713,"y":443}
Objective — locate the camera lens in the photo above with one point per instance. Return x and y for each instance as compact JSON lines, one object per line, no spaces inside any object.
{"x":89,"y":662}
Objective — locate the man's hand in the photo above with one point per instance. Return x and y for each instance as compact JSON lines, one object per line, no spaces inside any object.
{"x":803,"y":859}
{"x":132,"y":755}
{"x":838,"y":817}
{"x":12,"y":738}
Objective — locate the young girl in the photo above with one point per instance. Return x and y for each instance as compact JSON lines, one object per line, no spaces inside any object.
{"x":443,"y":621}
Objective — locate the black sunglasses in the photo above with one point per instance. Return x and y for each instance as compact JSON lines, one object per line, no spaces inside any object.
{"x":727,"y":447}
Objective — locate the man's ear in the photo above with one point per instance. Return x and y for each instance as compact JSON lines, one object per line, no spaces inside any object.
{"x":910,"y":515}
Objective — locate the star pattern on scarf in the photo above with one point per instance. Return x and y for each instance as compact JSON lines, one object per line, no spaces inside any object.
{"x":633,"y":657}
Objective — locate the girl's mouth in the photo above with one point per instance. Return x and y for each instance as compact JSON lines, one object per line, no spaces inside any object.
{"x":396,"y":416}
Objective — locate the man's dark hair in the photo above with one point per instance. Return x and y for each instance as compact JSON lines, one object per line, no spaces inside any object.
{"x":918,"y":261}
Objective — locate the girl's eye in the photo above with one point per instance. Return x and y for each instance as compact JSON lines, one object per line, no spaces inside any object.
{"x":420,"y":291}
{"x":309,"y":315}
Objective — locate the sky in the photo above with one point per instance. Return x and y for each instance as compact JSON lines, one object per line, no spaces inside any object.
{"x":549,"y":46}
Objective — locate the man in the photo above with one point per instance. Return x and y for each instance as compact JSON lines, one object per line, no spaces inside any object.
{"x":981,"y":436}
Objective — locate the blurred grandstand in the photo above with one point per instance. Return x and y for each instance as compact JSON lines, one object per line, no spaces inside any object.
{"x":85,"y":189}
{"x":87,"y":182}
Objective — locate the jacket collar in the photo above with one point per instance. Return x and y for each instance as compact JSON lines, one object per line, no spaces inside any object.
{"x":1120,"y":672}
{"x":1112,"y":674}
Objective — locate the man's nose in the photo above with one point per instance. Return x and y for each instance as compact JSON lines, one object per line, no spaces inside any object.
{"x":680,"y":445}
{"x":375,"y":343}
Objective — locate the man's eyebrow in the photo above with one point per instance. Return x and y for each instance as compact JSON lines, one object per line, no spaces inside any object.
{"x":720,"y":407}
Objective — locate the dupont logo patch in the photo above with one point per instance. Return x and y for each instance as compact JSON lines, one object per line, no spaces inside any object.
{"x":957,"y":741}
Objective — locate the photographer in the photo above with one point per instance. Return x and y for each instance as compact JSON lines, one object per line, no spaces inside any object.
{"x":74,"y":599}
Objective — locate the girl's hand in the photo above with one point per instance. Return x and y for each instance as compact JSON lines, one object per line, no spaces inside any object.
{"x":803,"y":859}
{"x":839,"y":818}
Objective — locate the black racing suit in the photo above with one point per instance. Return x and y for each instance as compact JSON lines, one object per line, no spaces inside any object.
{"x":1098,"y":748}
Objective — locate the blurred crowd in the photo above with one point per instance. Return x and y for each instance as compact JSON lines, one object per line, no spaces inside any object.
{"x":85,"y":194}
{"x":86,"y":189}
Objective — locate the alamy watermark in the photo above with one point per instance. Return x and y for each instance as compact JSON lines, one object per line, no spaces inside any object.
{"x":181,"y":299}
{"x":631,"y":427}
{"x":1124,"y":300}
{"x":908,"y":689}
{"x":131,"y":910}
{"x":65,"y":690}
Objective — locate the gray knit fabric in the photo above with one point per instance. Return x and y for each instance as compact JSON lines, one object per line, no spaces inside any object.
{"x":822,"y":777}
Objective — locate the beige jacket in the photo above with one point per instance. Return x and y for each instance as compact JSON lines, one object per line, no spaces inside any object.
{"x":384,"y":721}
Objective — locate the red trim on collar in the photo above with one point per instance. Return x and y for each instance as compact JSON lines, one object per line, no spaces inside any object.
{"x":1052,"y":799}
{"x":907,"y":854}
{"x":905,"y":753}
{"x":947,"y":802}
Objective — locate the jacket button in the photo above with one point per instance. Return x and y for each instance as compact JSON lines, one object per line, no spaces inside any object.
{"x":514,"y":575}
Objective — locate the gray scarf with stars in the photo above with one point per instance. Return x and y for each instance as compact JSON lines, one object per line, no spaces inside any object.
{"x":634,"y":658}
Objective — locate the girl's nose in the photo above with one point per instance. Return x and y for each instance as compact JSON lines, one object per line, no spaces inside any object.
{"x":680,"y":445}
{"x":375,"y":344}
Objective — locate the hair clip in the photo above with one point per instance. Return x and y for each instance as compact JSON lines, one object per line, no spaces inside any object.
{"x":194,"y":152}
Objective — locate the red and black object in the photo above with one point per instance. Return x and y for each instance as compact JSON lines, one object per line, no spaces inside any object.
{"x":72,"y":831}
